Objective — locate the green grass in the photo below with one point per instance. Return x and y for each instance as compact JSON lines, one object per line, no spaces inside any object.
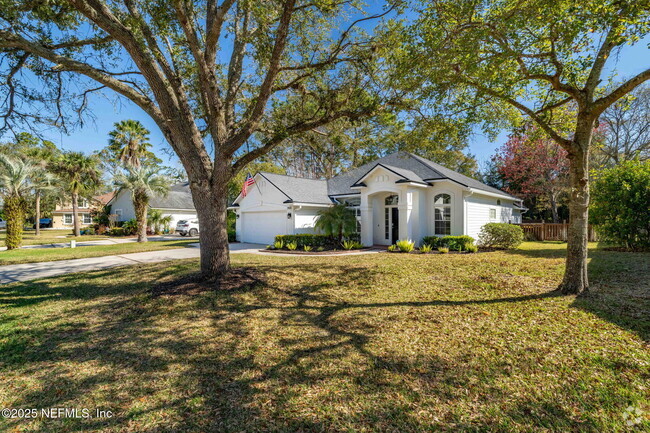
{"x":383,"y":342}
{"x":49,"y":237}
{"x":34,"y":255}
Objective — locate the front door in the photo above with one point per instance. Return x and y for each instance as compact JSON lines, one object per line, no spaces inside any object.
{"x":394,"y":217}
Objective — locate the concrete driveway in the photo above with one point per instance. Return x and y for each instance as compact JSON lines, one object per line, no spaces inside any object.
{"x":32,"y":271}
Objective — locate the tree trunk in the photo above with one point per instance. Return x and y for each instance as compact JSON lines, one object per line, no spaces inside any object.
{"x":15,"y":215}
{"x":575,"y":275}
{"x":553,"y":199}
{"x":75,"y":213}
{"x":140,"y":206}
{"x":211,"y":202}
{"x":37,"y":206}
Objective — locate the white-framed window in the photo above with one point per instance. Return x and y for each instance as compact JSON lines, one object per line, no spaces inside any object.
{"x":493,"y":214}
{"x":442,"y":214}
{"x":353,"y":203}
{"x":498,"y":202}
{"x":86,"y":218}
{"x":67,"y":218}
{"x":83,"y":202}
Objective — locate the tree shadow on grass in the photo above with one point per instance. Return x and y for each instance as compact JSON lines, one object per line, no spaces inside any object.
{"x":243,"y":359}
{"x":619,"y":286}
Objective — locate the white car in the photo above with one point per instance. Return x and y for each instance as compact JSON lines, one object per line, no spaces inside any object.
{"x":3,"y":224}
{"x":187,"y":227}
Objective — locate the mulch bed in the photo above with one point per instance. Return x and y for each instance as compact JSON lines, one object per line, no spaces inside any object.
{"x":237,"y":279}
{"x":314,"y":253}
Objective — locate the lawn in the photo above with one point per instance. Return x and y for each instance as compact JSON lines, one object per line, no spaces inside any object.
{"x":49,"y":237}
{"x":383,"y":342}
{"x":34,"y":255}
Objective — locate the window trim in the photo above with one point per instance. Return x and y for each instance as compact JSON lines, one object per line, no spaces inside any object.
{"x":493,"y":218}
{"x":65,"y":215}
{"x":443,"y":207}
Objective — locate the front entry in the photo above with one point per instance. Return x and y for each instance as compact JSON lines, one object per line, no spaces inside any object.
{"x":394,"y":214}
{"x":391,"y":219}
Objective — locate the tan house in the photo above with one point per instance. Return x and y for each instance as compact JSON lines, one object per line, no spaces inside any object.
{"x":62,"y":217}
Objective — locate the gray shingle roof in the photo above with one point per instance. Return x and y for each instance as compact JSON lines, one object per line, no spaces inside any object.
{"x":300,"y":190}
{"x":407,"y":165}
{"x":179,"y":197}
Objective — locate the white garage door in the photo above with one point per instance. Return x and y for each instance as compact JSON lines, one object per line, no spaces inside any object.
{"x":262,"y":227}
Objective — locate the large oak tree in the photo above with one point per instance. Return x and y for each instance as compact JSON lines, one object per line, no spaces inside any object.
{"x":537,"y":57}
{"x":215,"y":76}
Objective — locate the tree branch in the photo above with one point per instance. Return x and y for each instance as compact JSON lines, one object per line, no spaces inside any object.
{"x":601,"y":104}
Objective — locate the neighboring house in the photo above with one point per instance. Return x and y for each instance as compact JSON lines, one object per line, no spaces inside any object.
{"x":399,"y":196}
{"x":177,"y":203}
{"x":62,"y":217}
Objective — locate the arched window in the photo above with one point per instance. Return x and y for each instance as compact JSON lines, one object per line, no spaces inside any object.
{"x":442,"y":214}
{"x":392,"y":200}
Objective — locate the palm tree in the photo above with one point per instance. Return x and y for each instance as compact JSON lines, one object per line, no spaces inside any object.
{"x":143,"y":183}
{"x":157,"y":221}
{"x":42,"y":181}
{"x":80,"y":175}
{"x":338,"y":220}
{"x":130,"y":141}
{"x":15,"y":183}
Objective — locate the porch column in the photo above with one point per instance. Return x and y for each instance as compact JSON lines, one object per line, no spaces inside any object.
{"x":366,"y":221}
{"x":406,"y":216}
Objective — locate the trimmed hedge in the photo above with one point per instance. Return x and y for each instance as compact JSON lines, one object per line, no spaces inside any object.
{"x":454,"y":243}
{"x":313,"y":240}
{"x":501,"y":235}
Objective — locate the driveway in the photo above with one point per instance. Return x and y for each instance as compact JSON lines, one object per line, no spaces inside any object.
{"x":32,"y":271}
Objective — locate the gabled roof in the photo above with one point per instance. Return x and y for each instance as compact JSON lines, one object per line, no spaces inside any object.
{"x":407,"y":165}
{"x":299,"y":189}
{"x":179,"y":197}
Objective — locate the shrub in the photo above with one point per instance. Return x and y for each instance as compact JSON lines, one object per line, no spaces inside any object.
{"x":313,"y":240}
{"x":501,"y":235}
{"x":116,"y":231}
{"x":456,"y":243}
{"x":89,"y":231}
{"x":393,"y":248}
{"x":472,"y":249}
{"x":351,"y":245}
{"x":620,"y":202}
{"x":426,"y":248}
{"x":307,"y":248}
{"x":130,"y":227}
{"x":405,"y":246}
{"x":320,"y":249}
{"x":278,"y":245}
{"x":443,"y":250}
{"x":232,"y":236}
{"x":291,"y":246}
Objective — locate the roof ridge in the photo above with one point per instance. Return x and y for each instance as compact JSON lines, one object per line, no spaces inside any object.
{"x":289,"y":175}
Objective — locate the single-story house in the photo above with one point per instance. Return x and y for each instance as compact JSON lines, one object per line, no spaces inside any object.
{"x":399,"y":196}
{"x":62,"y":216}
{"x":177,"y":203}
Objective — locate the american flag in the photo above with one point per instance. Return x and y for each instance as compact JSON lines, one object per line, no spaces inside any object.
{"x":247,"y":183}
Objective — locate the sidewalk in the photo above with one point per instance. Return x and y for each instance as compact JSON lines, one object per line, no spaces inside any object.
{"x":108,"y":241}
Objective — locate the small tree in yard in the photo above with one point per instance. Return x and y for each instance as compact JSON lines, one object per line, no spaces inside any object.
{"x":142,"y":183}
{"x":225,"y":81}
{"x":337,"y":221}
{"x":15,"y":184}
{"x":536,"y":59}
{"x":534,"y":166}
{"x":621,"y":204}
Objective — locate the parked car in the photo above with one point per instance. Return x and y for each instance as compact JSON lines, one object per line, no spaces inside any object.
{"x":3,"y":224}
{"x":46,"y":223}
{"x":188,"y":227}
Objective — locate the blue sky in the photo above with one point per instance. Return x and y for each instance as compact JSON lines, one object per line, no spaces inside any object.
{"x":94,"y":136}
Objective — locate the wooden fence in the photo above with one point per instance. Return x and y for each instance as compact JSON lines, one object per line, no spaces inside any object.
{"x":552,"y":231}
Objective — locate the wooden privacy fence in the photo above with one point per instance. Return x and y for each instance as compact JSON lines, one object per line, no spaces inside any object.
{"x":552,"y":231}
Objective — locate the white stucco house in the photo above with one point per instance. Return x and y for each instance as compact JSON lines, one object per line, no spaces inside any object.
{"x":177,"y":203}
{"x":399,"y":196}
